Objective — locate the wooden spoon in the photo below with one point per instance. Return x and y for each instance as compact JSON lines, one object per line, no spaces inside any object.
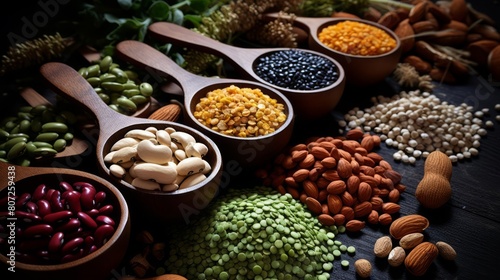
{"x":78,"y":145}
{"x":250,"y":151}
{"x":155,"y":205}
{"x":308,"y":104}
{"x":361,"y":71}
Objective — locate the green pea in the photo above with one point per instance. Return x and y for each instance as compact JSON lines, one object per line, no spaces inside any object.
{"x":15,"y":135}
{"x":146,"y":89}
{"x":104,"y":97}
{"x":127,"y":105}
{"x":93,"y":70}
{"x":83,"y":72}
{"x":107,"y":77}
{"x":68,"y":136}
{"x":59,"y":145}
{"x":45,"y":152}
{"x":351,"y":250}
{"x":130,"y":85}
{"x":11,"y":142}
{"x":40,"y":144}
{"x":121,"y":76}
{"x":17,"y":150}
{"x":112,"y":86}
{"x":131,"y":92}
{"x":105,"y":63}
{"x":94,"y":81}
{"x":30,"y":148}
{"x":55,"y":127}
{"x":47,"y":136}
{"x":344,"y":263}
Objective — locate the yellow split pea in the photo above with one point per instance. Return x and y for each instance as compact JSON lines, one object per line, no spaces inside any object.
{"x":357,"y":38}
{"x":242,"y":112}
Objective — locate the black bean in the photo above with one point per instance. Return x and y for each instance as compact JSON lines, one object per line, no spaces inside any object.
{"x":296,"y":69}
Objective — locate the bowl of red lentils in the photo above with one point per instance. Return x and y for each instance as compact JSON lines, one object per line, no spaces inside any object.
{"x":368,"y":51}
{"x":58,"y":223}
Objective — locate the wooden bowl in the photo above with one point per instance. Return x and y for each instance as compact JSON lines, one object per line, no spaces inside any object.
{"x":158,"y":206}
{"x":360,"y":71}
{"x":96,"y":265}
{"x":236,"y":151}
{"x":307,"y":104}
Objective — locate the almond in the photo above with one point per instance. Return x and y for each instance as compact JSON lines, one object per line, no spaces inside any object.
{"x":331,"y":175}
{"x":394,"y":196}
{"x":417,"y":12}
{"x":300,"y":175}
{"x":170,"y":112}
{"x":364,"y":192}
{"x":336,"y":187}
{"x":299,"y":155}
{"x":411,"y":240}
{"x":348,"y":212}
{"x":439,"y":13}
{"x":314,"y":205}
{"x":446,"y":251}
{"x":372,"y":217}
{"x":393,"y":175}
{"x":354,"y":167}
{"x":326,"y":220}
{"x":354,"y":225}
{"x":377,"y":203}
{"x":390,"y":208}
{"x":449,"y":37}
{"x":354,"y":134}
{"x":389,"y":20}
{"x":456,"y":25}
{"x":327,"y":145}
{"x":385,"y":219}
{"x":347,"y":199}
{"x":350,"y":146}
{"x":353,"y":184}
{"x":310,"y":189}
{"x":344,"y":168}
{"x":367,"y":143}
{"x":408,"y":224}
{"x":344,"y":154}
{"x":420,"y":258}
{"x":362,"y":209}
{"x":458,"y":10}
{"x":290,"y":182}
{"x":339,"y":219}
{"x":382,"y":246}
{"x":329,"y":162}
{"x":423,"y":26}
{"x":288,"y":163}
{"x":406,"y":34}
{"x":307,"y":162}
{"x":319,"y":152}
{"x":396,"y":256}
{"x":334,"y":203}
{"x":480,"y":50}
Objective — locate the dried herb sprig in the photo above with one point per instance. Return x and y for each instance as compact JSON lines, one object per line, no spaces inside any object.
{"x":408,"y":77}
{"x":33,"y":53}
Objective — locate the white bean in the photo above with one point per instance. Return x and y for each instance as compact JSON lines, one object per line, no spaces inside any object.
{"x":124,"y":142}
{"x":190,"y":165}
{"x":163,"y":137}
{"x":124,"y":155}
{"x":140,"y":134}
{"x":182,"y":138}
{"x":150,"y":152}
{"x":192,"y":180}
{"x":146,"y":184}
{"x":117,"y":171}
{"x":159,"y":173}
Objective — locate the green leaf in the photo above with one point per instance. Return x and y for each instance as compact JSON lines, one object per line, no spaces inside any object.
{"x":194,"y":19}
{"x":199,"y":5}
{"x":159,"y":11}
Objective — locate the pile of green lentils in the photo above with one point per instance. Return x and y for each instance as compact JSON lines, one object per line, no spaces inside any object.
{"x":256,"y":233}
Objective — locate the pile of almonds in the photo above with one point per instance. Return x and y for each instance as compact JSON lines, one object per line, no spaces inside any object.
{"x":340,"y":179}
{"x":446,"y":39}
{"x":412,"y":250}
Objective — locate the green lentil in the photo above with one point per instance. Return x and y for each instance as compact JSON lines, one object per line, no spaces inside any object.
{"x":254,"y":233}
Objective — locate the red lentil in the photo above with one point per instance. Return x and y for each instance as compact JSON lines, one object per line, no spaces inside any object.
{"x":357,"y":38}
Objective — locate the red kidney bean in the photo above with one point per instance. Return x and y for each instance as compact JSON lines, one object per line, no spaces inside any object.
{"x":48,"y":194}
{"x":92,"y":249}
{"x":71,"y":245}
{"x":86,"y":220}
{"x":31,"y":207}
{"x":102,"y":233}
{"x":39,"y":192}
{"x":38,"y":230}
{"x":23,"y":199}
{"x":88,"y":243}
{"x":27,"y":217}
{"x":79,"y":185}
{"x":56,"y":242}
{"x":43,"y":207}
{"x":57,"y":216}
{"x":106,"y":209}
{"x":105,"y":220}
{"x":65,"y":186}
{"x":99,"y":197}
{"x":87,"y":197}
{"x":92,"y":212}
{"x":71,"y":225}
{"x":73,"y":201}
{"x":72,"y":257}
{"x":55,"y":201}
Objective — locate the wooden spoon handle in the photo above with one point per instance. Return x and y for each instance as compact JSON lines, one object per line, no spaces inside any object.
{"x":65,"y":80}
{"x":158,"y":64}
{"x":184,"y":37}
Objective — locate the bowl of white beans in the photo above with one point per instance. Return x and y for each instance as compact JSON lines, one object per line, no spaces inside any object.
{"x":60,"y":223}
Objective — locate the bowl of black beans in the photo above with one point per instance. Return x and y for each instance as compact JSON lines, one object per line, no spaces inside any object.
{"x":312,"y":81}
